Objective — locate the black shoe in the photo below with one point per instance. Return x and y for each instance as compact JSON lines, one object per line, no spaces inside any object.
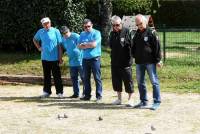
{"x":142,"y":105}
{"x":74,"y":96}
{"x":85,"y":98}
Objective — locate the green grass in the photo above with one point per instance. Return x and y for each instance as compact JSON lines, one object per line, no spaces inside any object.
{"x":179,"y":75}
{"x":181,"y":38}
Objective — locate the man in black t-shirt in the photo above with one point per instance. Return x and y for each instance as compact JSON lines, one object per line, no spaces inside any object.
{"x":121,"y":60}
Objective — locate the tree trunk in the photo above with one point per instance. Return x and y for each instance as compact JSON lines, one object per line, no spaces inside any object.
{"x":105,"y":15}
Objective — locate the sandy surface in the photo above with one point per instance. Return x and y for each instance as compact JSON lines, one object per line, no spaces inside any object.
{"x":22,"y":112}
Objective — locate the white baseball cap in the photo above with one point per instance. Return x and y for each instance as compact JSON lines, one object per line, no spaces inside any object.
{"x":44,"y":20}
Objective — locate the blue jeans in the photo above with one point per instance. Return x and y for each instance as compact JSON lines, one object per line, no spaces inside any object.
{"x":140,"y":75}
{"x":75,"y":71}
{"x":92,"y":66}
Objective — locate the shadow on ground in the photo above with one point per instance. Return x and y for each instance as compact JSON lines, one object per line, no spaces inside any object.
{"x":65,"y":103}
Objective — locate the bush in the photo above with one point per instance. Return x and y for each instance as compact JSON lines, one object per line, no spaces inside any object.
{"x":178,"y":13}
{"x":21,"y":19}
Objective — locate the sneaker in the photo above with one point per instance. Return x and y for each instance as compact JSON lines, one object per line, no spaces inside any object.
{"x":117,"y":102}
{"x":74,"y":96}
{"x":129,"y":104}
{"x":98,"y":100}
{"x":155,"y":106}
{"x":85,"y":98}
{"x":45,"y":95}
{"x":60,"y":95}
{"x":82,"y":96}
{"x":141,"y":105}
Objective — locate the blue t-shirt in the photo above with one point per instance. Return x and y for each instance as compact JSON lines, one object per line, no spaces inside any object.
{"x":94,"y":35}
{"x":74,"y":53}
{"x":50,"y":39}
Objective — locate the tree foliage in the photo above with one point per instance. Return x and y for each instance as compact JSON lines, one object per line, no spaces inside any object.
{"x":100,"y":12}
{"x":184,"y":13}
{"x":21,"y":19}
{"x":130,"y":7}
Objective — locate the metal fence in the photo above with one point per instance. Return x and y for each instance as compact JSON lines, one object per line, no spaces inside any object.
{"x":180,"y":44}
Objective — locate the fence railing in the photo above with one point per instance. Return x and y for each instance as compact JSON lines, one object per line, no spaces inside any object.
{"x":180,"y":44}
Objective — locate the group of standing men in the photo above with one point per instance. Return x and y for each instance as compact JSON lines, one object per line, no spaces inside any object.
{"x":84,"y":53}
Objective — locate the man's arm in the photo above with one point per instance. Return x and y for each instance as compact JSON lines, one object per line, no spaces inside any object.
{"x":87,"y":45}
{"x":157,"y":51}
{"x":60,"y":52}
{"x":37,"y":44}
{"x":93,"y":43}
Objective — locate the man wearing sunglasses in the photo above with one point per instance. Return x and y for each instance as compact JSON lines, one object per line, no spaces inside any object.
{"x":121,"y":60}
{"x":90,"y":43}
{"x":69,"y":43}
{"x":147,"y":54}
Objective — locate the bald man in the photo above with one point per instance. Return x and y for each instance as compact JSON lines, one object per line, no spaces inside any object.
{"x":147,"y":54}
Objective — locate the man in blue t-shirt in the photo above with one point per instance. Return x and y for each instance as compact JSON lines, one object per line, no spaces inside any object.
{"x":69,"y":43}
{"x":90,"y":43}
{"x":47,"y":40}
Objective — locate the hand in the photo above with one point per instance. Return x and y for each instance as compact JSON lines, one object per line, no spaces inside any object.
{"x":40,"y":49}
{"x":82,"y":46}
{"x":60,"y":61}
{"x":160,"y":64}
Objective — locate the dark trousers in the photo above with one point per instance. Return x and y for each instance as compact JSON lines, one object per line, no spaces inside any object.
{"x":92,"y":66}
{"x":122,"y":75}
{"x":48,"y":68}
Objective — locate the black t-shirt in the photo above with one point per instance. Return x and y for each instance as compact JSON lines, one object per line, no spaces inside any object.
{"x":120,"y":44}
{"x":146,"y":47}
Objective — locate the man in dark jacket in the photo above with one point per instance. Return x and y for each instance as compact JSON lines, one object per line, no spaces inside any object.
{"x":146,"y":51}
{"x":121,"y":60}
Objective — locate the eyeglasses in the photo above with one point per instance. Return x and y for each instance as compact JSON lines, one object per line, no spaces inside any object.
{"x":87,"y":27}
{"x":139,"y":24}
{"x":64,"y":33}
{"x":115,"y":25}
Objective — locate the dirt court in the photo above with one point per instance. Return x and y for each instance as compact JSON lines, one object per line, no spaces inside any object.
{"x":22,"y":112}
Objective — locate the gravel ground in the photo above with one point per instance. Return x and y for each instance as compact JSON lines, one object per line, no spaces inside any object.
{"x":22,"y":112}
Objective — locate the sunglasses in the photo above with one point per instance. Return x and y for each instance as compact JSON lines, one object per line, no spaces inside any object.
{"x":64,"y":33}
{"x":115,"y":25}
{"x":139,"y":24}
{"x":87,"y":26}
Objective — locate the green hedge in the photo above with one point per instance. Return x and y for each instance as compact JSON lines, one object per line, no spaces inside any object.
{"x":185,"y":13}
{"x":120,"y":8}
{"x":20,"y":19}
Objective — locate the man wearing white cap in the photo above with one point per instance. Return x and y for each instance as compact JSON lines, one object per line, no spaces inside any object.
{"x":50,"y":39}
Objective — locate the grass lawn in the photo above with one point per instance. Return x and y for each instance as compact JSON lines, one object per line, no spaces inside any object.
{"x":177,"y":75}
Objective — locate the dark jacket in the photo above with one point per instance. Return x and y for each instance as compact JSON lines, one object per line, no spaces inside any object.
{"x":120,"y":44}
{"x":146,"y":47}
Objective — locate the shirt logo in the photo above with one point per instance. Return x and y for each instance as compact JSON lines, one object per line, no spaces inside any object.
{"x":145,"y":39}
{"x":122,"y":39}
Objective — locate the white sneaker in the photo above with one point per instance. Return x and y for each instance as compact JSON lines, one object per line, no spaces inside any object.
{"x":129,"y":103}
{"x":82,"y":96}
{"x":98,"y":100}
{"x":117,"y":102}
{"x":60,"y":95}
{"x":45,"y":95}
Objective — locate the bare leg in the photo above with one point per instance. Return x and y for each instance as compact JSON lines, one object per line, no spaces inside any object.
{"x":119,"y":95}
{"x":129,"y":96}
